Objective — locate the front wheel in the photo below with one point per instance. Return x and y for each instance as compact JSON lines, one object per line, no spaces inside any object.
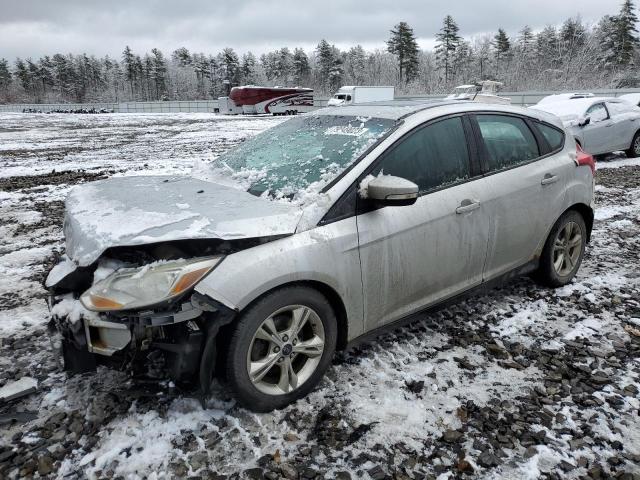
{"x":634,"y":150}
{"x":280,"y":348}
{"x":562,"y":253}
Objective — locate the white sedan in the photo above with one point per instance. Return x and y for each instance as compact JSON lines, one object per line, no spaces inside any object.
{"x":600,"y":125}
{"x":633,"y":98}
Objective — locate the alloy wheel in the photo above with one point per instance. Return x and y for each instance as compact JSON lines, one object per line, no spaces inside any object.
{"x":636,"y":146}
{"x":567,"y":248}
{"x":285,"y":350}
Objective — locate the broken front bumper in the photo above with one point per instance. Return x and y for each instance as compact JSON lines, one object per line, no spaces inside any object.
{"x":125,"y":341}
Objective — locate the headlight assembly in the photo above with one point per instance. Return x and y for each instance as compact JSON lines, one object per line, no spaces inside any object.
{"x":131,"y":288}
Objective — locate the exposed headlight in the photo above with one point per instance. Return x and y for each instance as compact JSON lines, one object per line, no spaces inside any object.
{"x":130,"y":288}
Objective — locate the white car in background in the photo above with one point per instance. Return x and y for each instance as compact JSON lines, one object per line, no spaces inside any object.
{"x":559,"y":97}
{"x":600,"y":125}
{"x":633,"y":98}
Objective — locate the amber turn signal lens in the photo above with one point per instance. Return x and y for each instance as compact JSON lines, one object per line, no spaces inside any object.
{"x":188,"y":279}
{"x":104,"y":303}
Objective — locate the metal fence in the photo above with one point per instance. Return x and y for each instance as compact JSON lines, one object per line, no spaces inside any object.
{"x":517,"y":98}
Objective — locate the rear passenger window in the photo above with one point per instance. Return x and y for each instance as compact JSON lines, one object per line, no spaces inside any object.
{"x":431,"y":157}
{"x":618,"y":108}
{"x":508,"y":140}
{"x":554,"y":137}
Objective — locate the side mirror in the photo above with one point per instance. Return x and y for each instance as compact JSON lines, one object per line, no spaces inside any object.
{"x":582,"y":121}
{"x":388,"y":190}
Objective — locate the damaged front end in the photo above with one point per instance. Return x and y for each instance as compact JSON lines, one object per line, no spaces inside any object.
{"x":139,"y":316}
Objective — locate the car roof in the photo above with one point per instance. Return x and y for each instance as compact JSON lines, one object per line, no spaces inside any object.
{"x":575,"y":106}
{"x":391,"y":109}
{"x":399,"y":109}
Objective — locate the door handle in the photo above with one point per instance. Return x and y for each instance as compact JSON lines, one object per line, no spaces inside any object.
{"x":549,"y":179}
{"x":609,"y":125}
{"x":468,"y":205}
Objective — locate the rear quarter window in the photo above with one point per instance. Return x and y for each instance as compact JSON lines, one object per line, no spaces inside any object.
{"x":554,"y":136}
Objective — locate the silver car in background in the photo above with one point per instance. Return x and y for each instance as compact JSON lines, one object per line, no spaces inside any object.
{"x":312,"y":234}
{"x":600,"y":125}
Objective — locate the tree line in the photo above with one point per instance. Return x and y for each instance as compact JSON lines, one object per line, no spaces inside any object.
{"x":572,"y":55}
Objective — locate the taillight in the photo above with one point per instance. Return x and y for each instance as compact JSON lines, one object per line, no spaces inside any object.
{"x":583,"y":158}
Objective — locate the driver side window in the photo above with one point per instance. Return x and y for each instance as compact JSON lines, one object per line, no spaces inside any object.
{"x":431,"y":157}
{"x":597,"y":112}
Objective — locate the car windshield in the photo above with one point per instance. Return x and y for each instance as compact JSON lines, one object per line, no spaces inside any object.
{"x":300,"y":155}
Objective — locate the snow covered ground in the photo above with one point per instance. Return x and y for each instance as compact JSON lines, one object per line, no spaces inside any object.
{"x":523,"y":382}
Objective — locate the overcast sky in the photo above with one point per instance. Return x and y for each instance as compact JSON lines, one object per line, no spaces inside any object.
{"x":31,"y":28}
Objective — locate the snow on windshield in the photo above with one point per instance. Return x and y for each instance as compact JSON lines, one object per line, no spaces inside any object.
{"x":299,"y":157}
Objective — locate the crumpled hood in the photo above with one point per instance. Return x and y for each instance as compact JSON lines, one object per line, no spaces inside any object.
{"x":140,"y":210}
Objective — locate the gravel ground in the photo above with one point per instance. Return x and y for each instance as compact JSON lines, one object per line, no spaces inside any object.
{"x":522,"y":382}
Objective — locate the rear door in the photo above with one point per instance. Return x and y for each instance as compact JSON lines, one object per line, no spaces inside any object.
{"x":625,"y":123}
{"x":598,"y":133}
{"x":415,"y":255}
{"x":525,"y":185}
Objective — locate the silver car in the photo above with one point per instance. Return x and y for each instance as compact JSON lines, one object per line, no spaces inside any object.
{"x":312,"y":234}
{"x":600,"y":125}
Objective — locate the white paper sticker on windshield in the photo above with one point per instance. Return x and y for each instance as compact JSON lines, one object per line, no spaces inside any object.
{"x":346,"y":130}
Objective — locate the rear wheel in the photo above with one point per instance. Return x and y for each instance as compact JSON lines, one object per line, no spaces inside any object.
{"x":562,"y":254}
{"x":280,"y":348}
{"x":634,"y":150}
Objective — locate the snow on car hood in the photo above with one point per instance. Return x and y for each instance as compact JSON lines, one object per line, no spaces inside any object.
{"x":140,"y":210}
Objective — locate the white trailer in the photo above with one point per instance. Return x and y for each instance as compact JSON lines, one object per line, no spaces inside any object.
{"x":360,"y":94}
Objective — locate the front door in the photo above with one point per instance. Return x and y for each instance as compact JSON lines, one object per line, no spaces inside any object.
{"x":598,"y":133}
{"x":413,"y":256}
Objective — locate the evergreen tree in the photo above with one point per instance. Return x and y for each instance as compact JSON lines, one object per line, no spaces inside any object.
{"x":546,"y":48}
{"x":141,"y":76}
{"x":301,"y":69}
{"x":448,"y":42}
{"x":285,"y":66}
{"x":336,"y":72}
{"x":356,"y":64}
{"x":5,"y":76}
{"x":21,"y":72}
{"x":625,"y":38}
{"x":249,"y":69}
{"x":230,"y":65}
{"x":326,"y":61}
{"x":501,"y":48}
{"x":268,"y":62}
{"x":158,"y":72}
{"x":403,"y":45}
{"x":181,"y":56}
{"x":128,"y":62}
{"x":572,"y":34}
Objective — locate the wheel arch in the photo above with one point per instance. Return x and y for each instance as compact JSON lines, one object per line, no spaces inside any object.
{"x":637,"y":132}
{"x":587,"y":214}
{"x":332,"y":296}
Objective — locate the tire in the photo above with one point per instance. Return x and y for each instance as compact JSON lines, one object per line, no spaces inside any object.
{"x":252,"y":346}
{"x":634,"y":150}
{"x":560,"y":262}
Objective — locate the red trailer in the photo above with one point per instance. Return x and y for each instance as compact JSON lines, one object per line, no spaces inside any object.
{"x":264,"y":100}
